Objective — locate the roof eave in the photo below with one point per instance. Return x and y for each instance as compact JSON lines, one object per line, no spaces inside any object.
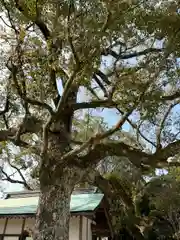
{"x":73,"y":213}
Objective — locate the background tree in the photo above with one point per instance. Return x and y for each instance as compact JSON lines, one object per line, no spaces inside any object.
{"x":158,"y":205}
{"x":123,"y":54}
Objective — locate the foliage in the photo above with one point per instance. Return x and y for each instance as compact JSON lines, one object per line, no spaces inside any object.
{"x":158,"y":204}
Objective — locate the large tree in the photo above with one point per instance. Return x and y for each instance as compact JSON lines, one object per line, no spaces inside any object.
{"x":122,"y":54}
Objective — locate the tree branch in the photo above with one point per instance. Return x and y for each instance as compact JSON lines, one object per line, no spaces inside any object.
{"x":66,"y":92}
{"x":9,"y":135}
{"x":137,"y":129}
{"x":22,"y":95}
{"x":136,"y":156}
{"x":5,"y":22}
{"x":103,"y":76}
{"x":158,"y":134}
{"x":144,"y":52}
{"x":134,"y":54}
{"x":107,"y":19}
{"x":107,"y":188}
{"x":6,"y":108}
{"x":93,"y":104}
{"x":171,"y":97}
{"x":109,"y":104}
{"x":29,"y":125}
{"x":70,"y":40}
{"x":6,"y":134}
{"x":19,"y":172}
{"x":90,"y":144}
{"x":42,"y":26}
{"x":5,"y":121}
{"x":40,"y":104}
{"x":170,"y":150}
{"x":9,"y":17}
{"x":114,"y":148}
{"x":9,"y":179}
{"x":92,"y":91}
{"x":100,"y":85}
{"x":93,"y":141}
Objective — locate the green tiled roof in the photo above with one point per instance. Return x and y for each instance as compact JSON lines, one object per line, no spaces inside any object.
{"x":79,"y":203}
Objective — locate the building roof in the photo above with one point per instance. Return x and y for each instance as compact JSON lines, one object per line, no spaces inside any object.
{"x":28,"y":205}
{"x":35,"y":193}
{"x":22,"y":194}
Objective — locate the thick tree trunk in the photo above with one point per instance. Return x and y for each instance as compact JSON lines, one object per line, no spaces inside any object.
{"x":57,"y":181}
{"x":52,"y":219}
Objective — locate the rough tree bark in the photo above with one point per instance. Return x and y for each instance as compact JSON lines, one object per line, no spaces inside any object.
{"x":52,"y":219}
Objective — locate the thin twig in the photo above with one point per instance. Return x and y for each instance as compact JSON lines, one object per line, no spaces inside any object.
{"x":9,"y":179}
{"x":158,"y":134}
{"x":66,"y":91}
{"x":97,"y":138}
{"x":6,"y":108}
{"x":23,"y":96}
{"x":76,"y":57}
{"x":17,"y":169}
{"x":138,"y":130}
{"x":100,"y":136}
